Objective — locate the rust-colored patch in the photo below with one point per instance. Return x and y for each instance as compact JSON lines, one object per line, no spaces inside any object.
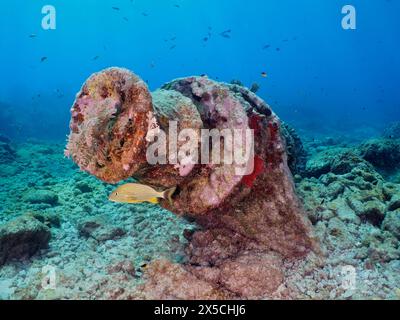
{"x":255,"y":123}
{"x":259,"y":168}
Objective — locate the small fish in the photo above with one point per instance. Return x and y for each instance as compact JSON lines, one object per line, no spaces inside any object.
{"x":264,"y":74}
{"x":266,"y":46}
{"x":254,"y":87}
{"x":278,"y":49}
{"x":32,"y":35}
{"x":115,"y":8}
{"x":126,"y":19}
{"x":172,"y":47}
{"x":59,"y":93}
{"x":145,"y":14}
{"x":96,"y":58}
{"x":177,"y":6}
{"x":138,"y":193}
{"x":43,"y":59}
{"x":205,"y":39}
{"x":226,"y":34}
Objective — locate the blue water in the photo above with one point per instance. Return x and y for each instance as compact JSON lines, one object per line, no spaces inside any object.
{"x":322,"y":76}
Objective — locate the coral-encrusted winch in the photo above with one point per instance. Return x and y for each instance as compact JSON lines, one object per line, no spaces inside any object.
{"x":255,"y":213}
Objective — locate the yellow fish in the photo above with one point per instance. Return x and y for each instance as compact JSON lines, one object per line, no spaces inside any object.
{"x":138,"y":193}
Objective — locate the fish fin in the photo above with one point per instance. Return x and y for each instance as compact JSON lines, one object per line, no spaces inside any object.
{"x":134,"y":201}
{"x":167,"y":195}
{"x":153,"y":200}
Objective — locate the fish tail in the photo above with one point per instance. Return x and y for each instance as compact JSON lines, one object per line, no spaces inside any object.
{"x":168,"y":194}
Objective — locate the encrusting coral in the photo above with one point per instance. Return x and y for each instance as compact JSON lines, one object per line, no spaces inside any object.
{"x":247,"y":223}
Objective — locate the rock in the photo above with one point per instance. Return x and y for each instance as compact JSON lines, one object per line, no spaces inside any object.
{"x":383,"y":252}
{"x":335,"y":189}
{"x":337,"y":161}
{"x":100,"y":229}
{"x":328,"y":178}
{"x":373,"y":212}
{"x":252,"y":276}
{"x":392,"y":223}
{"x":7,"y":153}
{"x":22,"y":238}
{"x":340,"y":235}
{"x":6,"y":289}
{"x":84,"y":187}
{"x":345,"y":162}
{"x":297,"y":156}
{"x":167,"y":281}
{"x":394,"y":203}
{"x":49,"y":219}
{"x":347,"y":215}
{"x":9,"y":170}
{"x":41,"y":196}
{"x":318,"y":165}
{"x":124,"y":266}
{"x":389,"y":190}
{"x":382,"y":153}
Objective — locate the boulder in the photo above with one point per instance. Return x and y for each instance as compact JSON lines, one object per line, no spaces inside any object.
{"x":336,"y":160}
{"x":22,"y":237}
{"x":100,"y":229}
{"x":41,"y":196}
{"x":382,"y":153}
{"x":297,"y":156}
{"x":392,"y":223}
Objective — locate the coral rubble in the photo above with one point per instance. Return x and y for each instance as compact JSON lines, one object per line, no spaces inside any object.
{"x":142,"y":261}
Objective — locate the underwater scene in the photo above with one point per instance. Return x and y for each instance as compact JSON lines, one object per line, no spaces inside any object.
{"x":200,"y":150}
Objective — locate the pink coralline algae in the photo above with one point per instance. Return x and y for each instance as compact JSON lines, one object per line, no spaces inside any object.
{"x":247,"y":224}
{"x":109,"y":125}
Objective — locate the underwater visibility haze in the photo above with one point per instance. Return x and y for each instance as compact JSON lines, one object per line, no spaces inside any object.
{"x":84,"y":215}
